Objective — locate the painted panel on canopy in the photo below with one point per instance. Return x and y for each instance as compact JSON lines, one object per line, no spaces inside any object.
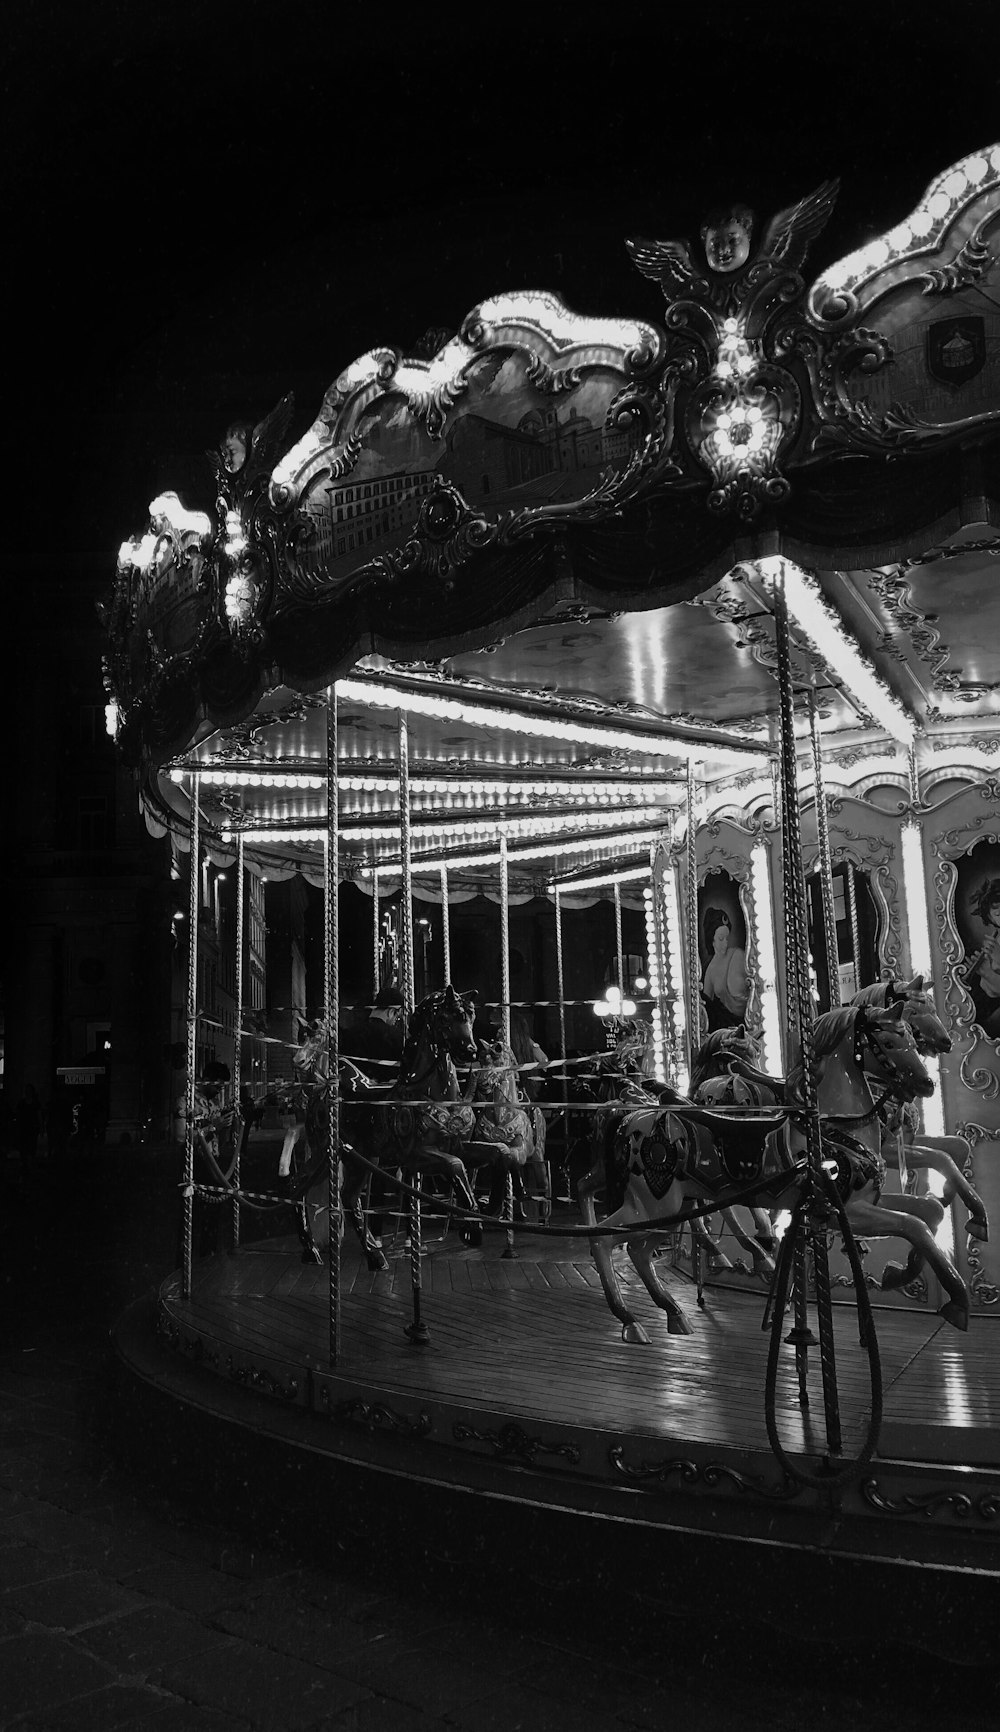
{"x":527,"y":423}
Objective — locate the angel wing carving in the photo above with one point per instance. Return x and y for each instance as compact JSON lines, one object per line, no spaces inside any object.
{"x":668,"y":263}
{"x":789,"y":233}
{"x":247,"y":453}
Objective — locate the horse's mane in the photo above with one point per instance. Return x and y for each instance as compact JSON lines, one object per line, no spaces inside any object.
{"x":828,"y":1032}
{"x":875,"y":996}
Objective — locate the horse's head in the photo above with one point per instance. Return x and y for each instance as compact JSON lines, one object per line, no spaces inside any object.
{"x":309,"y":1059}
{"x":884,"y":1038}
{"x":719,"y":1050}
{"x":498,"y":1069}
{"x":918,"y":1011}
{"x":914,"y":1005}
{"x":441,"y":1026}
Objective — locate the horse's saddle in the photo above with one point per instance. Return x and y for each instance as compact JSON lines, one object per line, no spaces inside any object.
{"x":717,"y":1149}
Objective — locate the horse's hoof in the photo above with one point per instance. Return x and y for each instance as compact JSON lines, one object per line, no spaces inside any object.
{"x":634,"y":1332}
{"x":767,"y":1242}
{"x":315,"y":1257}
{"x":978,"y":1230}
{"x":376,"y":1262}
{"x":677,"y":1324}
{"x":955,"y":1314}
{"x":718,"y":1263}
{"x":893,"y":1276}
{"x":763,"y":1266}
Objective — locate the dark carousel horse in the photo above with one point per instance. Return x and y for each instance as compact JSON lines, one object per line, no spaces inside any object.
{"x":418,"y":1125}
{"x":674,"y":1155}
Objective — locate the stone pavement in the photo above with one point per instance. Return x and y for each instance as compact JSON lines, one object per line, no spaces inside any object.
{"x":119,"y":1608}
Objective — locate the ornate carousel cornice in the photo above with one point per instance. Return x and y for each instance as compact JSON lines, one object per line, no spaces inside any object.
{"x":538,"y":463}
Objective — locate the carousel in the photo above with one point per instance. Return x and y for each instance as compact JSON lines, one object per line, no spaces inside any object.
{"x":693,"y":612}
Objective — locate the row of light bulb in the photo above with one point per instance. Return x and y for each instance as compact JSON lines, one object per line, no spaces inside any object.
{"x":595,"y":793}
{"x":923,"y":227}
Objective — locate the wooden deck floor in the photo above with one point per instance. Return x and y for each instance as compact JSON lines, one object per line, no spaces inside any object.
{"x":532,"y":1341}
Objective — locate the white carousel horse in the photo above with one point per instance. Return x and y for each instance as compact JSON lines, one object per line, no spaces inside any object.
{"x":681,"y":1154}
{"x":509,"y":1123}
{"x":418,"y":1125}
{"x":713,"y":1084}
{"x":947,"y":1155}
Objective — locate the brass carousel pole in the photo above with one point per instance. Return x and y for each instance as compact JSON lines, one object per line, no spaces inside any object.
{"x":187,"y":1221}
{"x":445,"y":930}
{"x":811,"y":1222}
{"x":825,"y":861}
{"x":619,"y":951}
{"x":416,"y":1330}
{"x":508,"y":1194}
{"x":238,"y":1043}
{"x":561,"y":992}
{"x":331,"y":965}
{"x":693,"y":966}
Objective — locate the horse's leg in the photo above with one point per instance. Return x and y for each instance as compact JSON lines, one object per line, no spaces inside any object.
{"x":876,"y":1222}
{"x":763,"y":1262}
{"x":640,"y":1250}
{"x":945,"y":1155}
{"x":701,"y":1234}
{"x":293,"y":1136}
{"x":764,"y":1229}
{"x":350,"y":1201}
{"x":600,"y":1248}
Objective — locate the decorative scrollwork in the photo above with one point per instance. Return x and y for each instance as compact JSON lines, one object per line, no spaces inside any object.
{"x":985,"y":1507}
{"x":709,"y":1473}
{"x":376,"y":1416}
{"x":512,"y":1443}
{"x":255,"y":1377}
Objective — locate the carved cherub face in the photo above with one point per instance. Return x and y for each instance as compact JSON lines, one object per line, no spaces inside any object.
{"x":234,"y":450}
{"x":726,"y":239}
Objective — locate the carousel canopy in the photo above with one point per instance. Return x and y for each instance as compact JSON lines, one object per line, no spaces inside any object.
{"x":551,"y":542}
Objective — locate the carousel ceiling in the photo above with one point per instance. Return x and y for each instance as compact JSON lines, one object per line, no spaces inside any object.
{"x":551,"y":544}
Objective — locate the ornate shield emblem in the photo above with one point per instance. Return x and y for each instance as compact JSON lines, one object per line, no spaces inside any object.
{"x":956,"y":349}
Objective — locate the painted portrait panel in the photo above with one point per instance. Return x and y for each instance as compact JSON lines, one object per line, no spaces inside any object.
{"x":977,"y":919}
{"x":722,"y":949}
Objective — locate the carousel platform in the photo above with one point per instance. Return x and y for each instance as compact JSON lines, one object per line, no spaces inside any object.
{"x":526,"y":1406}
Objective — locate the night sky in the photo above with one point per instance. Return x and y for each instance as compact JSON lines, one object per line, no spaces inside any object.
{"x":211,"y":204}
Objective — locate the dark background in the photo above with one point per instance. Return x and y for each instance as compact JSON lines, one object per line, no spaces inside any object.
{"x":209,"y":204}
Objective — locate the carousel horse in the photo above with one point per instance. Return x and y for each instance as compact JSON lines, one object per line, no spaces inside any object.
{"x":712,"y":1084}
{"x":916,"y":1151}
{"x":511,"y":1122}
{"x":677,"y":1155}
{"x":417,"y":1125}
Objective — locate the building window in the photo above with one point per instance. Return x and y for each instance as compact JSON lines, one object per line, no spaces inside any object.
{"x":93,"y":823}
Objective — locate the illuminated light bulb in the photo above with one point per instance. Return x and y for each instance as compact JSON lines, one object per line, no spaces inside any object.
{"x":938,"y":205}
{"x":900,"y":238}
{"x":613,"y":995}
{"x":976,"y":168}
{"x":754,"y":415}
{"x":955,"y":184}
{"x":724,"y":369}
{"x":876,"y":254}
{"x":837,"y":275}
{"x":725,"y":420}
{"x":627,"y":1007}
{"x":641,"y":982}
{"x":821,"y":624}
{"x":920,"y":222}
{"x":730,"y":326}
{"x":745,"y":363}
{"x":111,"y":718}
{"x":602,"y":1007}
